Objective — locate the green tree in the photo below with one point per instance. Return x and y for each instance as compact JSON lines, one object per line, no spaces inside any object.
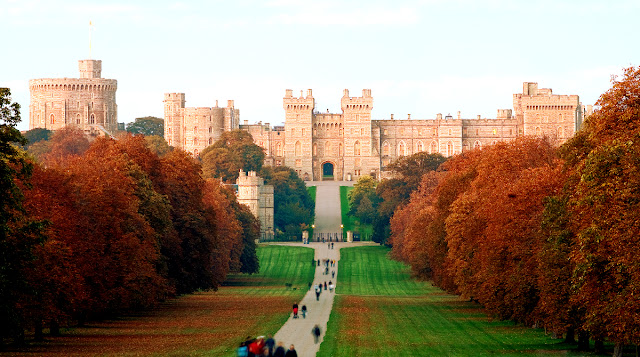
{"x":158,"y":145}
{"x":293,"y":205}
{"x":18,"y":234}
{"x":365,"y":187}
{"x":233,"y":151}
{"x":147,"y":126}
{"x":38,"y":134}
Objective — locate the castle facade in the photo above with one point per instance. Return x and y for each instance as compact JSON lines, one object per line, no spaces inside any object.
{"x":347,"y":145}
{"x":88,"y":102}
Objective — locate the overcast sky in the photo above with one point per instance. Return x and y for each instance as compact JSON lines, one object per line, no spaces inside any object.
{"x":417,"y":56}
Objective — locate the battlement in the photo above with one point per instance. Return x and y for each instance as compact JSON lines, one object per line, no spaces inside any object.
{"x":174,"y":97}
{"x":298,"y":103}
{"x":504,"y":114}
{"x":73,"y":84}
{"x":360,"y":104}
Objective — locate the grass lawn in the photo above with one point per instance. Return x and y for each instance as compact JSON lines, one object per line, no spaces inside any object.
{"x":201,"y":324}
{"x":381,"y":311}
{"x":351,"y":223}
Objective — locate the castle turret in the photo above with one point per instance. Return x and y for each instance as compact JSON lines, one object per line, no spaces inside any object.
{"x":298,"y":128}
{"x":90,"y":68}
{"x":173,"y":128}
{"x":357,"y":133}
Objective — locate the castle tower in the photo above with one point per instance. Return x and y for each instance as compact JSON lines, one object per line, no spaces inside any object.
{"x":298,"y":132}
{"x":359,"y":157}
{"x":173,"y":123}
{"x":539,"y":112}
{"x":253,"y":193}
{"x":88,"y":102}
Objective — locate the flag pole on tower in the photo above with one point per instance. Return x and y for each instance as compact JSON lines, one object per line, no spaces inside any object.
{"x":90,"y":28}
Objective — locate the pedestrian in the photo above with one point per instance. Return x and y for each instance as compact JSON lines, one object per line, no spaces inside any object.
{"x":243,"y":350}
{"x":291,"y":352}
{"x":330,"y":286}
{"x":318,"y":290}
{"x":295,"y":310}
{"x":315,"y":331}
{"x":331,"y":245}
{"x":325,"y":285}
{"x":328,"y":245}
{"x":256,"y":348}
{"x":333,"y":274}
{"x":318,"y":262}
{"x":279,"y":352}
{"x":304,"y":311}
{"x":270,"y":344}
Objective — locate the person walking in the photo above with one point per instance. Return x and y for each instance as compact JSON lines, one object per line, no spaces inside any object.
{"x":243,"y":350}
{"x":295,"y":310}
{"x":279,"y":352}
{"x":315,"y":331}
{"x":333,"y":273}
{"x":330,"y":286}
{"x":269,"y":345}
{"x":304,"y":311}
{"x":318,"y":291}
{"x":325,"y":285}
{"x":291,"y":352}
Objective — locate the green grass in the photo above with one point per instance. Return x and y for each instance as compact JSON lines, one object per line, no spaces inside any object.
{"x":351,"y":223}
{"x":381,"y":311}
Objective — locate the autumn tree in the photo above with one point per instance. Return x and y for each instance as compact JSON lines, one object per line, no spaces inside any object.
{"x":232,"y":152}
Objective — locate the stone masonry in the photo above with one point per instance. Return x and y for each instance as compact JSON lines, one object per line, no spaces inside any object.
{"x":259,"y":198}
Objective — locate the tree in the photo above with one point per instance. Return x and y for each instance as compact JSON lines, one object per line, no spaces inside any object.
{"x":147,"y":126}
{"x":158,"y":145}
{"x":19,"y":234}
{"x":37,"y":134}
{"x":65,"y":144}
{"x":232,"y":152}
{"x":292,"y":204}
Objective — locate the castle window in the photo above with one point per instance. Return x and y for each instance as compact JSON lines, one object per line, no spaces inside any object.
{"x":210,"y":130}
{"x":419,"y":146}
{"x":401,"y":131}
{"x":537,"y":131}
{"x":560,"y":132}
{"x":510,"y":132}
{"x":279,"y":149}
{"x":92,"y":119}
{"x":402,"y":149}
{"x":361,"y":131}
{"x":315,"y":149}
{"x":195,"y":129}
{"x":169,"y":130}
{"x":302,"y":131}
{"x":78,"y":119}
{"x":169,"y":142}
{"x":386,"y":132}
{"x":449,"y":148}
{"x":356,"y":148}
{"x":298,"y":148}
{"x":385,"y":148}
{"x":210,"y":141}
{"x":433,"y":148}
{"x":449,"y":132}
{"x":195,"y":141}
{"x":477,"y":145}
{"x":340,"y":149}
{"x":52,"y":119}
{"x":477,"y":132}
{"x":298,"y":163}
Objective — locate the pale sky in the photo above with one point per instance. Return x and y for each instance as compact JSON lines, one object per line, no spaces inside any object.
{"x":421,"y":57}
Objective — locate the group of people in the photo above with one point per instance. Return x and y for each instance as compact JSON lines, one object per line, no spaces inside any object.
{"x":303,"y":310}
{"x":318,"y":288}
{"x":255,"y":347}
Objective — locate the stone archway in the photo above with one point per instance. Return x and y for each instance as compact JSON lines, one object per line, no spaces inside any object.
{"x":328,"y":171}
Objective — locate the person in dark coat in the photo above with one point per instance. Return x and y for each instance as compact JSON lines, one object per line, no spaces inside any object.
{"x":315,"y":331}
{"x":279,"y":352}
{"x":295,"y":310}
{"x":291,"y":352}
{"x":270,"y":344}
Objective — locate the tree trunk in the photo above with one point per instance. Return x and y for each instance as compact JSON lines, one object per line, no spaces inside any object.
{"x":38,"y":336}
{"x":617,"y":350}
{"x":571,"y":336}
{"x":583,"y":340}
{"x":54,"y":328}
{"x":599,"y":346}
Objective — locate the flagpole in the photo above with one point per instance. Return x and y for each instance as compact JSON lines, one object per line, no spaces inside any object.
{"x":90,"y":28}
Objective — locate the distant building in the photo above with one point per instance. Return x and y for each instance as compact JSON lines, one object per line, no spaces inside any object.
{"x":193,"y":129}
{"x":88,"y":102}
{"x":259,"y":198}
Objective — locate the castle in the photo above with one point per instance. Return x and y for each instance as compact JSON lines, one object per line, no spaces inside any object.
{"x":259,"y":198}
{"x":88,"y":102}
{"x":347,"y":145}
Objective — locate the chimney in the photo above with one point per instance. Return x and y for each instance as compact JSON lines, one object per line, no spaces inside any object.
{"x":309,"y":93}
{"x":345,"y":93}
{"x":439,"y":116}
{"x":216,"y":103}
{"x":478,"y":116}
{"x":409,"y":116}
{"x":459,"y":114}
{"x":391,"y":116}
{"x":288,"y":93}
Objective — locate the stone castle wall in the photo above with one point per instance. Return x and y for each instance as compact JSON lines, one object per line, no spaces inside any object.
{"x":88,"y":102}
{"x":193,"y":129}
{"x":253,"y":193}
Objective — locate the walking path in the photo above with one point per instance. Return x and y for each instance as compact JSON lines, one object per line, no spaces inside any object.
{"x":328,"y":220}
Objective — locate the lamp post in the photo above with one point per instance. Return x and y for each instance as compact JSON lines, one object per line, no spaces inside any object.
{"x":313,"y":227}
{"x":342,"y":232}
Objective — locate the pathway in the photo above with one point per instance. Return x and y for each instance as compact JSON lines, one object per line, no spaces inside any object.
{"x":328,"y":220}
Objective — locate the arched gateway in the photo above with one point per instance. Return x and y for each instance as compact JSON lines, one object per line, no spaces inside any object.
{"x":327,"y":171}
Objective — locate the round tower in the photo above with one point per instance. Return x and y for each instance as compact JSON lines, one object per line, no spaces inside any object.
{"x":88,"y":102}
